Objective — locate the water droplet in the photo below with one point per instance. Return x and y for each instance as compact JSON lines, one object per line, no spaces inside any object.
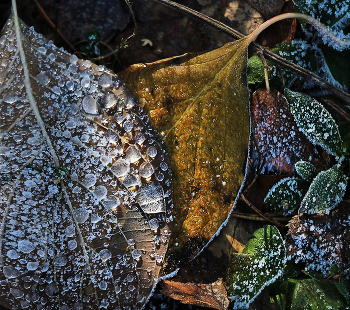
{"x":105,"y":254}
{"x":43,"y":78}
{"x":10,"y":272}
{"x":136,"y":254}
{"x":85,"y":82}
{"x":130,"y":102}
{"x":70,"y":85}
{"x":10,"y":98}
{"x":70,"y":231}
{"x":131,"y":243}
{"x":117,"y":289}
{"x":52,"y":57}
{"x":152,"y":254}
{"x":131,"y":180}
{"x":163,"y":166}
{"x":32,"y":265}
{"x":160,"y":176}
{"x":109,"y":100}
{"x":152,"y":151}
{"x":25,"y":246}
{"x":120,"y":168}
{"x":128,"y":126}
{"x":72,"y":244}
{"x":102,"y":285}
{"x":42,"y":50}
{"x":146,"y":170}
{"x":154,"y":224}
{"x":12,"y":254}
{"x":129,"y":278}
{"x":159,"y":259}
{"x":16,"y":292}
{"x":105,"y":80}
{"x":132,"y":154}
{"x":89,"y":180}
{"x":150,"y":198}
{"x":73,"y":59}
{"x":111,"y":203}
{"x":72,"y":68}
{"x":90,"y":105}
{"x":81,"y":215}
{"x":100,"y":192}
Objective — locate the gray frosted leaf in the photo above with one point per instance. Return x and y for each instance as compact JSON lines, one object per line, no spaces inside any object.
{"x":314,"y":121}
{"x":79,"y":190}
{"x":325,"y":192}
{"x":285,"y":196}
{"x":306,"y":170}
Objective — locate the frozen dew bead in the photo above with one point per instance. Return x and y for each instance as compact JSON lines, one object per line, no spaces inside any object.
{"x":105,"y":254}
{"x":129,"y":278}
{"x":111,"y":203}
{"x":132,"y":154}
{"x":90,"y":105}
{"x":131,"y":243}
{"x":131,"y":180}
{"x":52,"y":290}
{"x":43,"y":78}
{"x":32,"y":265}
{"x":129,"y":103}
{"x":10,"y":98}
{"x":128,"y":126}
{"x":102,"y":285}
{"x":163,"y":166}
{"x":136,"y":254}
{"x":150,"y":198}
{"x":16,"y":292}
{"x":120,"y":168}
{"x":109,"y":100}
{"x":25,"y":246}
{"x":152,"y":254}
{"x":159,"y":259}
{"x":10,"y":272}
{"x":73,"y":59}
{"x":152,"y":151}
{"x":81,"y":215}
{"x":119,"y":117}
{"x":154,"y":224}
{"x":70,"y":85}
{"x":139,"y":138}
{"x":100,"y":192}
{"x":12,"y":254}
{"x":146,"y":170}
{"x":105,"y":80}
{"x":70,"y":231}
{"x":72,"y":244}
{"x":85,"y":82}
{"x":89,"y":180}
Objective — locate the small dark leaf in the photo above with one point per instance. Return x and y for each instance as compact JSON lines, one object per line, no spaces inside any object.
{"x":306,"y":170}
{"x":325,"y":192}
{"x":285,"y":196}
{"x":315,"y":121}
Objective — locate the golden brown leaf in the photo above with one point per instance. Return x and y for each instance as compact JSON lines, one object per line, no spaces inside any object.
{"x":199,"y":106}
{"x":213,"y":295}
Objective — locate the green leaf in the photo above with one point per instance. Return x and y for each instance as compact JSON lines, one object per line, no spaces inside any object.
{"x":310,"y":294}
{"x":255,"y":70}
{"x":306,"y":170}
{"x":325,"y":192}
{"x":285,"y":196}
{"x":260,"y":264}
{"x":314,"y":121}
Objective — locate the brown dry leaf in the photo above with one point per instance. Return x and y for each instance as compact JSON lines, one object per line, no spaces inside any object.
{"x":199,"y":106}
{"x":276,"y":135}
{"x":85,"y":188}
{"x":213,"y":295}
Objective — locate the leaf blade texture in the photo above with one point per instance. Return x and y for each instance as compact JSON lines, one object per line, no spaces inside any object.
{"x":285,"y":196}
{"x":84,"y":212}
{"x":306,"y":170}
{"x":260,"y":264}
{"x":315,"y":121}
{"x":325,"y":192}
{"x":199,"y":105}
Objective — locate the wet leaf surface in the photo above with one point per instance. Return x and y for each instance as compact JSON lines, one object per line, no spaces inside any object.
{"x":199,"y":106}
{"x":86,"y":189}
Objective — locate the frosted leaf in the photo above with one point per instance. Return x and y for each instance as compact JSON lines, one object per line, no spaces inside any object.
{"x":260,"y":264}
{"x":72,"y":193}
{"x":314,"y":121}
{"x":325,"y":192}
{"x":306,"y":170}
{"x":285,"y":196}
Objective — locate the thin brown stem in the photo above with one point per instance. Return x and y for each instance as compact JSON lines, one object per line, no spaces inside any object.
{"x":314,"y":78}
{"x":267,"y":218}
{"x":55,"y":27}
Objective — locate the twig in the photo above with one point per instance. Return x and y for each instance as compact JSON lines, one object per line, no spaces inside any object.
{"x":267,"y":218}
{"x":266,"y":67}
{"x":54,"y":27}
{"x":257,"y":217}
{"x":258,"y":48}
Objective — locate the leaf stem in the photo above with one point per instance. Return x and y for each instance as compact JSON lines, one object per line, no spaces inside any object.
{"x":317,"y":24}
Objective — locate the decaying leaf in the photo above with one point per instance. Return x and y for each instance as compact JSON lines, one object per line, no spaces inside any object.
{"x":320,"y":241}
{"x":212,"y":295}
{"x":85,"y":182}
{"x":277,"y":138}
{"x":199,"y":105}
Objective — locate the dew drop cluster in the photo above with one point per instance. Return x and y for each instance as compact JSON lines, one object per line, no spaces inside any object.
{"x":85,"y":187}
